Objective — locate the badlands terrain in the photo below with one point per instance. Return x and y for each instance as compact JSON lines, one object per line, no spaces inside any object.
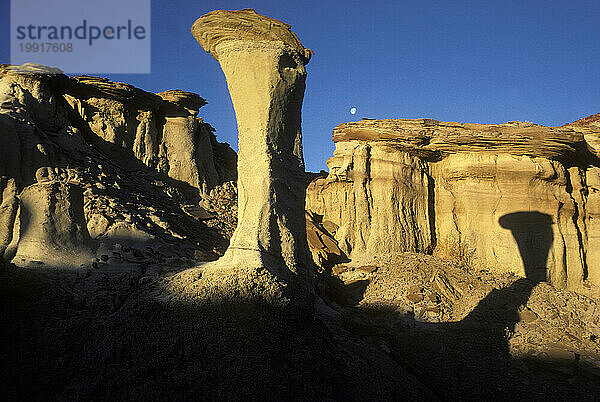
{"x":142,"y":259}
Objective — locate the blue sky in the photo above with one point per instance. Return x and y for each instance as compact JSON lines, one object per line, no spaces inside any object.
{"x":468,"y":61}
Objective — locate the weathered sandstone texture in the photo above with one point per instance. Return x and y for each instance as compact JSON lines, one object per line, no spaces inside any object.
{"x":141,"y":160}
{"x":51,"y":227}
{"x":513,"y":197}
{"x":43,"y":111}
{"x":8,"y":211}
{"x":264,"y":64}
{"x":323,"y":246}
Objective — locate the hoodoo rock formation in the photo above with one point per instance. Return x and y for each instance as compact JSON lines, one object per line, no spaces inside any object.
{"x":83,"y":156}
{"x":8,"y":212}
{"x":131,"y":263}
{"x":43,"y":111}
{"x":51,"y":226}
{"x":470,"y":189}
{"x":264,"y":64}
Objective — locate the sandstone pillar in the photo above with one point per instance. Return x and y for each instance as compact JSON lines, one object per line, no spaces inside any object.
{"x":52,"y":226}
{"x":9,"y":205}
{"x":264,"y":64}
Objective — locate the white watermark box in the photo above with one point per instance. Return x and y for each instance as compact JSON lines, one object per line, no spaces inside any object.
{"x":82,"y":36}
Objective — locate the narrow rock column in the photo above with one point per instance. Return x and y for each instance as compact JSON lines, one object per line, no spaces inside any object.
{"x":9,"y":205}
{"x":264,"y":64}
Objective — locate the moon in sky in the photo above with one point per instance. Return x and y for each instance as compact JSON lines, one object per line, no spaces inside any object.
{"x":353,"y":110}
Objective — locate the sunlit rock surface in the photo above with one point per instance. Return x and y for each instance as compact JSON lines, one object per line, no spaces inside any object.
{"x":264,"y":64}
{"x":423,"y":185}
{"x":83,"y":155}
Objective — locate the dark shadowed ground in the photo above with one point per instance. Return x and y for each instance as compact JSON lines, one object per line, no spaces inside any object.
{"x":69,"y":336}
{"x":93,"y":335}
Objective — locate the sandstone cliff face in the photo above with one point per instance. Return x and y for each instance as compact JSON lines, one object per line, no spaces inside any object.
{"x":162,"y":131}
{"x":139,"y":158}
{"x":513,"y":197}
{"x":44,"y":111}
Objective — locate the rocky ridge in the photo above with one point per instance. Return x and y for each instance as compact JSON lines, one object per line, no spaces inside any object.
{"x":513,"y":197}
{"x":116,"y":169}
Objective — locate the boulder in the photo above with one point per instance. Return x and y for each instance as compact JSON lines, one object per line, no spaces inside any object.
{"x":323,"y":246}
{"x":178,"y":99}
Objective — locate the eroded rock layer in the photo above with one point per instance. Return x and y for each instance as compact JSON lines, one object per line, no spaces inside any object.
{"x":43,"y":111}
{"x":514,"y":197}
{"x":141,"y":161}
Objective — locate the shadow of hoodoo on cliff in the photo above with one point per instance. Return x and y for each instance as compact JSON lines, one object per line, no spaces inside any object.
{"x":485,"y":331}
{"x":472,"y":357}
{"x":532,"y":231}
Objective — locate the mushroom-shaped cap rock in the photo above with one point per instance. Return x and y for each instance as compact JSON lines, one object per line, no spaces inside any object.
{"x":188,"y":100}
{"x":220,"y":26}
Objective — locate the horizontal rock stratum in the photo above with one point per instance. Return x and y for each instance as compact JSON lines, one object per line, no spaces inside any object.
{"x":432,"y":139}
{"x":515,"y":197}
